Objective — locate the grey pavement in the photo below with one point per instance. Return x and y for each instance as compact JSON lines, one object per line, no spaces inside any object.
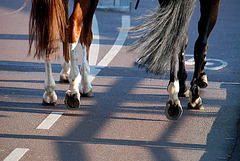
{"x":125,"y":120}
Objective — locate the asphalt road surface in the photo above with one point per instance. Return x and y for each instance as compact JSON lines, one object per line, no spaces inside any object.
{"x":125,"y":119}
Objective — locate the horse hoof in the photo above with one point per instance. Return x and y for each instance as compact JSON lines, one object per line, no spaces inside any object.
{"x":203,"y":82}
{"x":173,"y":110}
{"x":197,"y":105}
{"x":63,"y":80}
{"x":89,"y":94}
{"x":184,"y":94}
{"x":72,"y":101}
{"x":44,"y":103}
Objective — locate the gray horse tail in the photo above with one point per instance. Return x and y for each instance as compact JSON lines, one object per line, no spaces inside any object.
{"x":163,"y":34}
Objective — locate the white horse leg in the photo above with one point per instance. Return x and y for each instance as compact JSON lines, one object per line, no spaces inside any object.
{"x":64,"y":74}
{"x":173,"y":109}
{"x":72,"y":99}
{"x":49,"y":97}
{"x":173,"y":89}
{"x":85,"y":86}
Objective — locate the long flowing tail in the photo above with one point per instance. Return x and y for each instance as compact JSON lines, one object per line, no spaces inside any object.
{"x":47,"y":24}
{"x":163,"y":34}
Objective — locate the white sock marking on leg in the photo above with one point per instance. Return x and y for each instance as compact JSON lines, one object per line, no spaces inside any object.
{"x":173,"y":90}
{"x":49,"y":84}
{"x":85,"y":71}
{"x":74,"y":77}
{"x":64,"y":74}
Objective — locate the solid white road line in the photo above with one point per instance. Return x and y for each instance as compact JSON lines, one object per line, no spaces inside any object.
{"x":50,"y":120}
{"x":118,"y":43}
{"x":116,"y":47}
{"x":16,"y":154}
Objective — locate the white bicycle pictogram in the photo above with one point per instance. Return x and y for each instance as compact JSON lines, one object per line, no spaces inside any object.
{"x":212,"y":64}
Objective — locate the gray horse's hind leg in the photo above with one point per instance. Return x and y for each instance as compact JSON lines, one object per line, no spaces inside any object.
{"x":182,"y":74}
{"x":173,"y":110}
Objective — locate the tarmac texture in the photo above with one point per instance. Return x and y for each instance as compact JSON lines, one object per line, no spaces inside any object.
{"x":125,"y":119}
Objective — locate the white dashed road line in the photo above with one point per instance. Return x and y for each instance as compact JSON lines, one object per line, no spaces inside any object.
{"x":16,"y":154}
{"x":50,"y":120}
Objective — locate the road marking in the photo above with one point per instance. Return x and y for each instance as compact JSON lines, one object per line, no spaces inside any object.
{"x":16,"y":154}
{"x":210,"y":63}
{"x":50,"y":120}
{"x":118,"y":43}
{"x":94,"y":49}
{"x":116,"y":47}
{"x":223,"y":64}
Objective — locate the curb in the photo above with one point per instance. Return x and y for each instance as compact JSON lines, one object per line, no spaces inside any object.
{"x":114,"y":8}
{"x":236,"y":151}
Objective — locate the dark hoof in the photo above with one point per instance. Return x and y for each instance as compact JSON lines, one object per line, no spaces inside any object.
{"x":173,"y":110}
{"x":203,"y":82}
{"x":72,"y":101}
{"x":195,"y":101}
{"x":63,"y":80}
{"x":89,"y":94}
{"x":44,"y":103}
{"x":195,"y":107}
{"x":183,"y":94}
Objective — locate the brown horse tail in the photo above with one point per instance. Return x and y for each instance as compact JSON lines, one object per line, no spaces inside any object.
{"x":47,"y":25}
{"x":162,"y":35}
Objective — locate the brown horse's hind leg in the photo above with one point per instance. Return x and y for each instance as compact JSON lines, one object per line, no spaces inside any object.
{"x":209,"y":13}
{"x":86,"y":40}
{"x":86,"y":35}
{"x":72,"y":99}
{"x":64,"y":74}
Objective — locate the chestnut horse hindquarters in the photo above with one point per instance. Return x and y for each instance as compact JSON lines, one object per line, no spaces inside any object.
{"x":48,"y":24}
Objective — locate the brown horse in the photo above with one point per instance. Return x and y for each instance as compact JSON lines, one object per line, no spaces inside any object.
{"x":49,"y":23}
{"x":164,"y":42}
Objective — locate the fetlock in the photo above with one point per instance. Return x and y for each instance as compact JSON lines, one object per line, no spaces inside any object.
{"x":85,"y":86}
{"x":183,"y":91}
{"x":195,"y":102}
{"x":203,"y":82}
